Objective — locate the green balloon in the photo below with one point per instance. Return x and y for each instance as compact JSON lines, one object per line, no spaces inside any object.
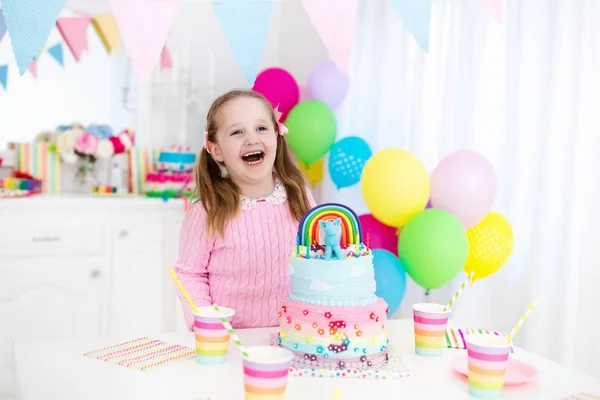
{"x":312,"y":128}
{"x":433,"y":247}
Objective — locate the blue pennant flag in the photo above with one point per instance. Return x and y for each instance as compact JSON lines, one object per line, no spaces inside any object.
{"x":29,"y":23}
{"x":3,"y":75}
{"x":416,"y":15}
{"x":56,"y":51}
{"x":246,"y":26}
{"x":2,"y":25}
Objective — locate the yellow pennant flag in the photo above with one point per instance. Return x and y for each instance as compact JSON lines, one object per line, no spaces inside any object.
{"x":314,"y":172}
{"x":108,"y":31}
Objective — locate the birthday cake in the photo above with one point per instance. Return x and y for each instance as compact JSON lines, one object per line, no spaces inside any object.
{"x":172,"y":176}
{"x":332,"y":318}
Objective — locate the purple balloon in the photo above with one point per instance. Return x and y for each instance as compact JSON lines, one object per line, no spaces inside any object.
{"x":428,"y":204}
{"x":328,"y":84}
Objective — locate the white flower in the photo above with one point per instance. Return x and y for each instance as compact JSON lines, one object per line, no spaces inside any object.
{"x":65,"y":145}
{"x":105,"y":149}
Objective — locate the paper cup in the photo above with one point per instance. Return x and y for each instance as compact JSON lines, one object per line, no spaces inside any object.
{"x":266,"y":372}
{"x":212,"y":339}
{"x":430,"y":328}
{"x":488,"y":357}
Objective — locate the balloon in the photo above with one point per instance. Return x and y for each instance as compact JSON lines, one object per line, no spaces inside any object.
{"x":490,"y":244}
{"x":304,"y":95}
{"x":395,"y":186}
{"x":465,"y":184}
{"x":313,"y":172}
{"x":380,"y":236}
{"x":433,"y":247}
{"x":390,"y":279}
{"x":328,"y":84}
{"x":312,"y":127}
{"x":279,"y":87}
{"x":347,"y":159}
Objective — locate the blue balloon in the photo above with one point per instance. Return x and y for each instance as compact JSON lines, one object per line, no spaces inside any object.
{"x":347,"y":159}
{"x":390,"y":278}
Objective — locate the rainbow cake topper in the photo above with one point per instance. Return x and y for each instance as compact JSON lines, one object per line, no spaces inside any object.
{"x":309,"y":229}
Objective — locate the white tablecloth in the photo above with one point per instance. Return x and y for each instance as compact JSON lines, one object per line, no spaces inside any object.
{"x":58,"y":370}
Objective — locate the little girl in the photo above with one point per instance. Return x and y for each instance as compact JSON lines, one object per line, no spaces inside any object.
{"x":238,"y":236}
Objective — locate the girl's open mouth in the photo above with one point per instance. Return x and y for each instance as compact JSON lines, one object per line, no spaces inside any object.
{"x":254,"y":157}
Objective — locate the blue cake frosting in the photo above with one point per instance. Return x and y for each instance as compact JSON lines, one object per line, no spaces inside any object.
{"x":349,"y":282}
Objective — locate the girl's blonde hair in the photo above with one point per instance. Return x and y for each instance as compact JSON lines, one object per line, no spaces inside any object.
{"x":219,"y":195}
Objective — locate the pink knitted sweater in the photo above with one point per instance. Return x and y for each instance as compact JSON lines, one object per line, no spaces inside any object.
{"x":247,"y":268}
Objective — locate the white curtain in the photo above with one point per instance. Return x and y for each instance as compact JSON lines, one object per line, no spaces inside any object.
{"x":526,"y":94}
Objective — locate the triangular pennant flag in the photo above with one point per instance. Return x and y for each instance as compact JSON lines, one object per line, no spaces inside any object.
{"x":337,"y":37}
{"x":29,"y":23}
{"x":39,"y":53}
{"x":246,"y":26}
{"x":2,"y":25}
{"x":33,"y":68}
{"x":144,"y":26}
{"x":3,"y":75}
{"x":494,"y":9}
{"x":56,"y":51}
{"x":416,"y":15}
{"x":74,"y":31}
{"x":165,"y":59}
{"x":107,"y":29}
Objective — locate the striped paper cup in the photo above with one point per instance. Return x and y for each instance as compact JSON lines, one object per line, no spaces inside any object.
{"x":212,"y":339}
{"x":266,"y":372}
{"x":488,"y":357}
{"x":430,"y":328}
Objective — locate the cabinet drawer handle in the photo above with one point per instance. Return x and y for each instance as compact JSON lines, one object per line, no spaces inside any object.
{"x":124,"y":233}
{"x":95,"y":273}
{"x":46,"y":239}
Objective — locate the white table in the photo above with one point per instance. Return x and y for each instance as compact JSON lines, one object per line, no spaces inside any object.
{"x":47,"y":370}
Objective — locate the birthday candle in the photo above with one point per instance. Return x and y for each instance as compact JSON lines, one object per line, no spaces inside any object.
{"x":297,"y":244}
{"x":368,"y":237}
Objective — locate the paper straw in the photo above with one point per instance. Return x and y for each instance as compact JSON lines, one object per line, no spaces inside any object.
{"x":337,"y":393}
{"x":459,"y":291}
{"x":234,"y":336}
{"x":523,"y":318}
{"x":183,"y":292}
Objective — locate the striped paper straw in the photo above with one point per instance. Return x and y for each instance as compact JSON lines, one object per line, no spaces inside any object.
{"x":234,"y":336}
{"x":459,"y":291}
{"x":183,"y":292}
{"x":523,"y":318}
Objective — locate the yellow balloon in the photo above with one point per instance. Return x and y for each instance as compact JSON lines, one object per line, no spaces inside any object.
{"x":314,"y":172}
{"x":490,"y":244}
{"x":395,"y":186}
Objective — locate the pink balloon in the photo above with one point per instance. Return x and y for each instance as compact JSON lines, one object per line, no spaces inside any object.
{"x":380,"y":236}
{"x":465,"y":184}
{"x":279,"y":87}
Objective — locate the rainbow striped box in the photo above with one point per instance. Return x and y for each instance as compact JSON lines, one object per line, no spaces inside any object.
{"x":37,"y":160}
{"x":488,"y":356}
{"x":266,"y":372}
{"x":212,"y":339}
{"x":141,"y":163}
{"x":430,"y":328}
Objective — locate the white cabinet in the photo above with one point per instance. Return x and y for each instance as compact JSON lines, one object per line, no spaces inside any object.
{"x":83,"y":267}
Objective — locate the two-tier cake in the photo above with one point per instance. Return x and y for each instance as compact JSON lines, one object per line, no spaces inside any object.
{"x":332,"y":318}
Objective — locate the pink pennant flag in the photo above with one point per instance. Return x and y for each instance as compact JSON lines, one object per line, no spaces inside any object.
{"x":144,"y":26}
{"x":165,"y":59}
{"x":494,"y":9}
{"x":74,"y":31}
{"x":337,"y":37}
{"x":33,"y":69}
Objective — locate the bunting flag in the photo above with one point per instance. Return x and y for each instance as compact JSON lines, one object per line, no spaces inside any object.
{"x":144,"y":26}
{"x":56,"y":52}
{"x":493,"y":8}
{"x":246,"y":26}
{"x":29,"y":23}
{"x":2,"y":25}
{"x":108,"y":31}
{"x":3,"y":75}
{"x":33,"y":69}
{"x":416,"y":15}
{"x":337,"y":37}
{"x":39,"y":53}
{"x":166,"y":61}
{"x":74,"y":31}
